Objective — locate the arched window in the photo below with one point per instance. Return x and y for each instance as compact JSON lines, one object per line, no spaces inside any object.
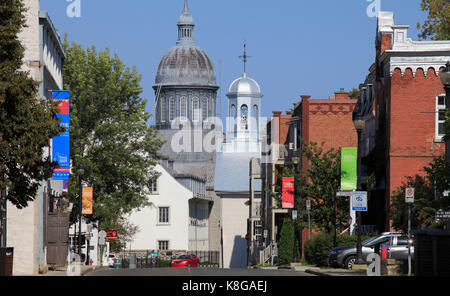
{"x":172,"y":109}
{"x":195,"y":109}
{"x":233,"y":115}
{"x":183,"y":108}
{"x":244,"y":117}
{"x":205,"y":109}
{"x":162,"y":103}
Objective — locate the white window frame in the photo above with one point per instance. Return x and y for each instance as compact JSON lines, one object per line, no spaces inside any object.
{"x":196,"y":112}
{"x":205,"y":111}
{"x":183,"y":109}
{"x":172,"y":109}
{"x":158,"y":221}
{"x":439,"y":108}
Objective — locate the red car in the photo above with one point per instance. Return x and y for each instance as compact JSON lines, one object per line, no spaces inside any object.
{"x":189,"y":260}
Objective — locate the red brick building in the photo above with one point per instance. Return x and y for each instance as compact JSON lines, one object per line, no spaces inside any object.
{"x":402,"y":101}
{"x":313,"y":120}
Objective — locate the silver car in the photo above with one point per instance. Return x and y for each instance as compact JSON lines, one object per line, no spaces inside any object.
{"x":397,"y":249}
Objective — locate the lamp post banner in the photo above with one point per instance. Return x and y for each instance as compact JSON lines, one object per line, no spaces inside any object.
{"x":288,"y":193}
{"x":61,"y":143}
{"x":349,"y":157}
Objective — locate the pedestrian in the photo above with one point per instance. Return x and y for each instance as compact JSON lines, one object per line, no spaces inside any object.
{"x":63,"y":203}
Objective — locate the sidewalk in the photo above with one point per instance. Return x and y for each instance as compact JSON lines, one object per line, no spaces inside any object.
{"x":319,"y":271}
{"x":83,"y":270}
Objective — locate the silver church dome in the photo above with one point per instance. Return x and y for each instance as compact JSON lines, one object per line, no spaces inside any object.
{"x":185,"y":64}
{"x":244,"y":86}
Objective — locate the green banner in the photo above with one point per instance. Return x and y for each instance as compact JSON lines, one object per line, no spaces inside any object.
{"x":349,"y":157}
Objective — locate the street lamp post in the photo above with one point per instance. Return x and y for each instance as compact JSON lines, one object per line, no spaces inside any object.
{"x":359,"y":124}
{"x":295,"y":161}
{"x":445,"y":79}
{"x":80,"y":174}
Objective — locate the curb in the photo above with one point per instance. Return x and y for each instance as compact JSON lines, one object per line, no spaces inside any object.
{"x":315,"y":272}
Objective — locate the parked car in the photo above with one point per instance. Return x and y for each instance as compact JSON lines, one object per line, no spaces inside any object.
{"x":188,"y":260}
{"x":111,"y":259}
{"x":397,"y":244}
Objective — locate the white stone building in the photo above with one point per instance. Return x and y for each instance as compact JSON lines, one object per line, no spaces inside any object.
{"x":43,"y":58}
{"x":178,"y":219}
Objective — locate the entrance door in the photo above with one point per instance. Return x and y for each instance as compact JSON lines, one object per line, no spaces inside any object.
{"x":57,"y":239}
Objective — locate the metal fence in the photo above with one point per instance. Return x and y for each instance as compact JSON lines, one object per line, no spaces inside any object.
{"x":207,"y":257}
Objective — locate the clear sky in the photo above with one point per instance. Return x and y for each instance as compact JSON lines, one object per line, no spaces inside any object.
{"x":297,"y":47}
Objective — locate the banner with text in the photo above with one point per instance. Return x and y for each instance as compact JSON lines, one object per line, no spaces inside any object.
{"x":349,"y":157}
{"x":61,"y":143}
{"x":288,"y":193}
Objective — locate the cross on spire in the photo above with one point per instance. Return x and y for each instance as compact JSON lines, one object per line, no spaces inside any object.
{"x":245,"y":57}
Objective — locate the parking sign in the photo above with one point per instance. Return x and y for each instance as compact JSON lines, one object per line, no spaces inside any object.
{"x":409,"y":195}
{"x":359,"y":201}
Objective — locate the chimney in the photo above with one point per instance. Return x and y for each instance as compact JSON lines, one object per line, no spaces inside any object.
{"x":341,"y":94}
{"x":276,"y":113}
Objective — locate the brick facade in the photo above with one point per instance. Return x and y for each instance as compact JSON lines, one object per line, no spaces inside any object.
{"x":403,"y":84}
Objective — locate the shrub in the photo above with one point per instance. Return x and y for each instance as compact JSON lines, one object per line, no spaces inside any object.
{"x":286,"y":247}
{"x":317,"y":249}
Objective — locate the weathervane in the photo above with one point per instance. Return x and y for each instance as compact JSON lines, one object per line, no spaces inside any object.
{"x":245,"y":57}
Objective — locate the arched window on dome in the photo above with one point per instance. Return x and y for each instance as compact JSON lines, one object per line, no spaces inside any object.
{"x":195,"y":109}
{"x":162,"y":104}
{"x":172,"y":109}
{"x":183,"y":108}
{"x":205,"y":109}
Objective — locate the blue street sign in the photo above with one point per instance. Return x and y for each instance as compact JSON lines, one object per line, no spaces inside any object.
{"x":359,"y":201}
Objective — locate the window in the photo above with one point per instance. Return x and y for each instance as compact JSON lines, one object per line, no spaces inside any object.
{"x":440,"y":117}
{"x":163,"y":216}
{"x":172,"y":109}
{"x":163,"y":109}
{"x":153,"y":185}
{"x":205,"y":109}
{"x":195,"y":109}
{"x":183,"y":108}
{"x":163,"y":245}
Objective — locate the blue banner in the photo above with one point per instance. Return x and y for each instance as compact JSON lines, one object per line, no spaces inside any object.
{"x":61,"y":143}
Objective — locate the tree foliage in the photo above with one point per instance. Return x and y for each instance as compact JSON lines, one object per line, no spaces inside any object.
{"x":428,"y":197}
{"x":437,"y":25}
{"x":27,"y":123}
{"x":110,"y":138}
{"x":319,"y":183}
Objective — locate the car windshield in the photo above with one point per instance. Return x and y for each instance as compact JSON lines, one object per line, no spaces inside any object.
{"x":367,"y":241}
{"x":183,"y":257}
{"x":112,"y":256}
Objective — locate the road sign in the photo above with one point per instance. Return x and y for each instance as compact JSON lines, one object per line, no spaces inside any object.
{"x":294,"y":214}
{"x":443,"y":215}
{"x":265,"y":233}
{"x":308,"y":205}
{"x":359,"y":201}
{"x":409,"y":195}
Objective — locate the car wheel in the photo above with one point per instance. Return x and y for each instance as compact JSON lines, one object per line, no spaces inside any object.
{"x":349,"y":261}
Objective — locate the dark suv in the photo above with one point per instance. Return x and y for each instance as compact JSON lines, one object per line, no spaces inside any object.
{"x":397,"y":249}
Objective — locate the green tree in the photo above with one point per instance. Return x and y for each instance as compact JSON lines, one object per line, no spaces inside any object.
{"x":27,"y":123}
{"x":286,"y":245}
{"x":437,"y":25}
{"x":354,"y":93}
{"x":110,"y":138}
{"x":322,"y":182}
{"x":428,"y":197}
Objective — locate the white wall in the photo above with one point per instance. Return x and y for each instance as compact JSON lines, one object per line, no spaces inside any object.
{"x":234,"y":223}
{"x":176,"y":197}
{"x":23,"y":225}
